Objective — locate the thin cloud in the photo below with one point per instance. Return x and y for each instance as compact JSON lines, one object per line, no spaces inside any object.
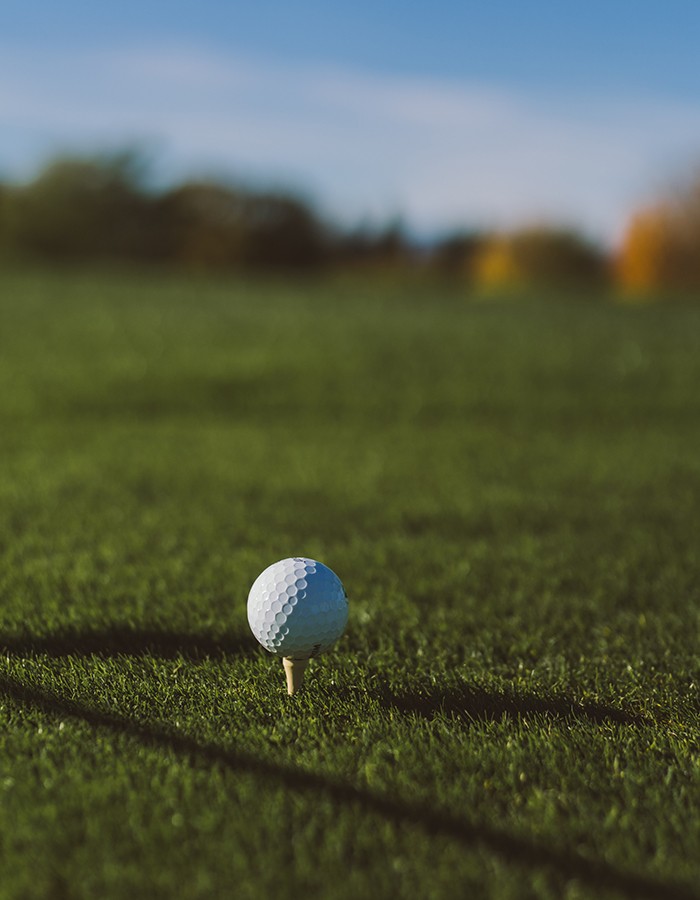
{"x":441,"y":152}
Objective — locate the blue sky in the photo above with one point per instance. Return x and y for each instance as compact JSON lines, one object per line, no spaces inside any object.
{"x":474,"y":114}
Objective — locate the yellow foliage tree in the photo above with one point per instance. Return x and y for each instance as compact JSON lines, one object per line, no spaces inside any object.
{"x":495,"y":266}
{"x":538,"y":257}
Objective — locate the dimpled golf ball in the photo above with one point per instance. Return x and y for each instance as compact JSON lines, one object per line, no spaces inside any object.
{"x":297,"y":608}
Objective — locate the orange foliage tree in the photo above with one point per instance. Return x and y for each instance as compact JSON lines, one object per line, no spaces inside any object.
{"x":644,"y":261}
{"x":660,"y":249}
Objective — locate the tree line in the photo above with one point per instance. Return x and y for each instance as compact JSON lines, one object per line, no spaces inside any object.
{"x":103,"y":209}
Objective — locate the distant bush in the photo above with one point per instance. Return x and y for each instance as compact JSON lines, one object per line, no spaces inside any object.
{"x":538,"y":257}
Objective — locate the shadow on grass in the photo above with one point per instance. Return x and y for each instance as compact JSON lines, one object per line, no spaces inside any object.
{"x":469,"y":704}
{"x":120,"y":641}
{"x":464,"y":703}
{"x":434,"y":822}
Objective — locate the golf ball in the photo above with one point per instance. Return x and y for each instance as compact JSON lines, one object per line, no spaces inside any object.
{"x":297,"y":608}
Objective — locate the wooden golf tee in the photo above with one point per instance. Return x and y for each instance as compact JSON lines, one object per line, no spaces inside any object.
{"x":294,"y":670}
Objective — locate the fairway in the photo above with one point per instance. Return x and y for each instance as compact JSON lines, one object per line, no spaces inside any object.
{"x":510,"y":493}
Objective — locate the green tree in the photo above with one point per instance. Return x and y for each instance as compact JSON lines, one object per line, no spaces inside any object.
{"x":201,"y":224}
{"x":454,"y":255}
{"x":283,"y":231}
{"x":210,"y":224}
{"x":5,"y":247}
{"x":84,"y":208}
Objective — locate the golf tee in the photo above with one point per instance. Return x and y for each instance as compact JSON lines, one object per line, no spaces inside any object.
{"x":294,"y":670}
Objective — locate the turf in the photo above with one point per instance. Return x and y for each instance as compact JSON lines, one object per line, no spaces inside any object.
{"x":510,"y":493}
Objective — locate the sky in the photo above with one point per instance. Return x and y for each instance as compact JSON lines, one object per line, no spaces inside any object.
{"x":448,"y":114}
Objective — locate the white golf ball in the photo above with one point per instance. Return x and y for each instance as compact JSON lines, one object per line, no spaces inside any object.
{"x":297,"y":607}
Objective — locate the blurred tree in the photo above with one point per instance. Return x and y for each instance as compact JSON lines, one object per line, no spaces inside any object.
{"x":5,"y":247}
{"x":383,"y":247}
{"x":661,"y":246}
{"x":391,"y":245}
{"x":538,"y":257}
{"x":100,"y":208}
{"x":209,"y":224}
{"x":643,"y":259}
{"x":684,"y":250}
{"x":76,"y":209}
{"x":494,"y":265}
{"x":201,"y":224}
{"x":456,"y":253}
{"x":283,"y":231}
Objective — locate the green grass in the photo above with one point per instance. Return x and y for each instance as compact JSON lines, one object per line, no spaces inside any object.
{"x":510,"y":493}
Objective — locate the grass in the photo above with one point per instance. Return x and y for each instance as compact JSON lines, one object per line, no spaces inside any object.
{"x":510,"y":495}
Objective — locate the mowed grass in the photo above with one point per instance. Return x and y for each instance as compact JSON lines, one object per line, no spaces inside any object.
{"x":511,"y":495}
